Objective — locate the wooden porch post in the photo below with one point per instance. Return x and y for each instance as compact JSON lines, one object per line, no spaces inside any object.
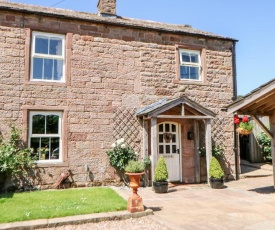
{"x":208,"y":145}
{"x":272,"y":130}
{"x":197,"y":155}
{"x":154,"y":146}
{"x":145,"y":148}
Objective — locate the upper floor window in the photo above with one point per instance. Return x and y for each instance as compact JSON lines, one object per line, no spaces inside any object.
{"x":48,"y":57}
{"x":45,"y":135}
{"x":190,"y":65}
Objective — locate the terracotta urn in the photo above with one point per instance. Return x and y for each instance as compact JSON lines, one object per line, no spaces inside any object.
{"x":135,"y":201}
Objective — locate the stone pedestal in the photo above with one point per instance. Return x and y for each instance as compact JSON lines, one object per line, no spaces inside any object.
{"x":135,"y":204}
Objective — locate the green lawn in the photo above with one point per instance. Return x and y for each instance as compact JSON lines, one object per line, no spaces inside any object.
{"x":58,"y":203}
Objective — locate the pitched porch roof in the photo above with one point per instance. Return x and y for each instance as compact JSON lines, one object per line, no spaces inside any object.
{"x":195,"y":110}
{"x":260,"y":101}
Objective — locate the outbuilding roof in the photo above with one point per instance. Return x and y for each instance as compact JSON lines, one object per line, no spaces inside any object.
{"x":119,"y":21}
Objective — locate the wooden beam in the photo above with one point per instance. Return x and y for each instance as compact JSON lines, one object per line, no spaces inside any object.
{"x":197,"y":154}
{"x":184,"y":117}
{"x":272,"y":129}
{"x":208,"y":146}
{"x":263,"y":127}
{"x":182,"y":109}
{"x":154,"y":146}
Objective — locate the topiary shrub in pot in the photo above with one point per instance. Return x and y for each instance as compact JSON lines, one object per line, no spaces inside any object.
{"x":160,"y":183}
{"x":216,"y":174}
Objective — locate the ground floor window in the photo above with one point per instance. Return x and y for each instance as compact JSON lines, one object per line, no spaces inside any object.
{"x":45,"y":135}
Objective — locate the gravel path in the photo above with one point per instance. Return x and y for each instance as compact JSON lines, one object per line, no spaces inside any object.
{"x":147,"y":222}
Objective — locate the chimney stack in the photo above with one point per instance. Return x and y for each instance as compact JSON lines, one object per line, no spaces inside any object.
{"x":106,"y":8}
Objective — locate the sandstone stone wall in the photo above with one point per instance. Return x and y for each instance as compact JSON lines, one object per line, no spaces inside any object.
{"x":110,"y":67}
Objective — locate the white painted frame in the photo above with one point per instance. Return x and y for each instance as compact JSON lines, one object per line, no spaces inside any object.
{"x":191,"y":64}
{"x":60,"y":115}
{"x":55,"y":57}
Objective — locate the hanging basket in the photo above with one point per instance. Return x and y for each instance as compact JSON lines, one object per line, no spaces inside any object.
{"x":244,"y":131}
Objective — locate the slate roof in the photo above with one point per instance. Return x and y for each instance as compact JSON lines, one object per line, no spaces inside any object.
{"x":168,"y":102}
{"x":119,"y":21}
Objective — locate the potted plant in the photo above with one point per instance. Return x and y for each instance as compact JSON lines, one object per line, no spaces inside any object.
{"x":134,"y":170}
{"x":160,"y":183}
{"x":216,"y":174}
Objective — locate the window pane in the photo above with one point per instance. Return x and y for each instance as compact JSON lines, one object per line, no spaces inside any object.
{"x":161,"y":149}
{"x":167,"y":147}
{"x":38,"y":124}
{"x":52,"y":124}
{"x":55,"y":148}
{"x":45,"y":145}
{"x":37,"y":68}
{"x":161,"y":138}
{"x":35,"y":143}
{"x":48,"y":69}
{"x":56,"y":46}
{"x":167,"y":128}
{"x":41,"y":45}
{"x":184,"y":72}
{"x":58,"y":69}
{"x":174,"y":149}
{"x":161,"y":128}
{"x":194,"y":73}
{"x":185,"y":57}
{"x":194,"y":58}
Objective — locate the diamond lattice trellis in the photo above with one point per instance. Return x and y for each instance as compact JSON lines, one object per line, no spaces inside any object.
{"x":127,"y":126}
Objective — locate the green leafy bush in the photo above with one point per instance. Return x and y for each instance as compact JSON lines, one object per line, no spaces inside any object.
{"x":265,"y":143}
{"x":215,"y":170}
{"x":14,"y":157}
{"x":161,"y":172}
{"x":135,"y":166}
{"x":120,"y":154}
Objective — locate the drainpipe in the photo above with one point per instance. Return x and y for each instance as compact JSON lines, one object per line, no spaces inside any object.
{"x":236,"y":141}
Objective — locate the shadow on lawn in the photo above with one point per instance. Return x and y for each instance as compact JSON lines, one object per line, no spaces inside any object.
{"x":6,"y":195}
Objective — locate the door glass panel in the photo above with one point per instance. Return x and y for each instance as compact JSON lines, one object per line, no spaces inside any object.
{"x":167,"y":148}
{"x":161,"y":128}
{"x":161,"y":149}
{"x":173,"y":128}
{"x":174,"y":138}
{"x":167,"y":127}
{"x":161,"y":138}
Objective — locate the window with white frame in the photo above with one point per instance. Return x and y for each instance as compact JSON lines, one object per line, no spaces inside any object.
{"x":47,"y":57}
{"x":45,"y":136}
{"x":190,"y":65}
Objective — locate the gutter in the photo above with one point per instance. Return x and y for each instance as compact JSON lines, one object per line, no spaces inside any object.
{"x":236,"y":141}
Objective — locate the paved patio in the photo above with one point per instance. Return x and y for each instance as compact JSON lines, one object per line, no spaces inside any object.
{"x":248,"y":203}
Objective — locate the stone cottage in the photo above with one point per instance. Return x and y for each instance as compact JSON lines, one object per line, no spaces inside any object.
{"x":75,"y":82}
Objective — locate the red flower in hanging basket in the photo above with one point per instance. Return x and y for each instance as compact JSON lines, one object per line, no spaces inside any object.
{"x":245,"y":119}
{"x":237,"y":121}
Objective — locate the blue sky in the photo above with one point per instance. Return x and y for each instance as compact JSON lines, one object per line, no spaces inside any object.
{"x":249,"y":21}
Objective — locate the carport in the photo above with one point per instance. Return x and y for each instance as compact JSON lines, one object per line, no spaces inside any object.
{"x":260,"y":102}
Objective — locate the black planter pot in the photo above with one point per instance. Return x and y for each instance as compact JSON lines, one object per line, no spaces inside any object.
{"x":160,"y":187}
{"x":216,"y":183}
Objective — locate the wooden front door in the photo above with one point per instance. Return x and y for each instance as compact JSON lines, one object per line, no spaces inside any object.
{"x":168,"y":147}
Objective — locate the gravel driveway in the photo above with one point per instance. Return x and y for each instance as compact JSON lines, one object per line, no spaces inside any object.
{"x":147,"y":222}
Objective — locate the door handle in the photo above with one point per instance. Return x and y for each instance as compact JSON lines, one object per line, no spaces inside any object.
{"x":178,"y":151}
